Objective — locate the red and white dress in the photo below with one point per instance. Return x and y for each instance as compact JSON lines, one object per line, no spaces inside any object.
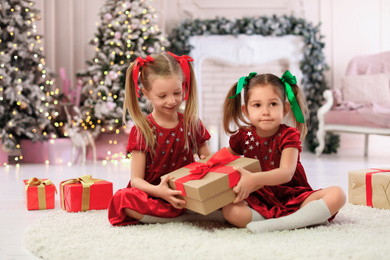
{"x":170,"y":155}
{"x":280,"y":200}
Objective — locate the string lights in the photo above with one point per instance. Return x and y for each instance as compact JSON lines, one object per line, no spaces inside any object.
{"x":27,"y":97}
{"x":126,"y":30}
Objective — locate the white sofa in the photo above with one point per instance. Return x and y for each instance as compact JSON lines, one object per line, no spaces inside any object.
{"x":361,"y":104}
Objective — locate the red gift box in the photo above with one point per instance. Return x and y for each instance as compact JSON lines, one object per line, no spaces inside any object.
{"x":40,"y":194}
{"x":85,"y":193}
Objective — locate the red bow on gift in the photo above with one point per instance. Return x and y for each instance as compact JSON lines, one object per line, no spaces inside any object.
{"x":215,"y":164}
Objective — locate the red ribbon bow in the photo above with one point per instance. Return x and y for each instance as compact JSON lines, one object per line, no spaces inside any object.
{"x":139,"y":62}
{"x":369,"y":184}
{"x":183,"y":61}
{"x":215,"y":164}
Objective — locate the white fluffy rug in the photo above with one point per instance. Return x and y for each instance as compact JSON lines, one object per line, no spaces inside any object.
{"x":358,"y":232}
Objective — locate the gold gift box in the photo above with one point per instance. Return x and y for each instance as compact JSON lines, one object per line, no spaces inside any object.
{"x":213,"y":191}
{"x":380,"y":187}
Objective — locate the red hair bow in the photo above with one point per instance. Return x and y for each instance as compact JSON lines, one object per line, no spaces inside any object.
{"x":183,"y":61}
{"x":139,"y":62}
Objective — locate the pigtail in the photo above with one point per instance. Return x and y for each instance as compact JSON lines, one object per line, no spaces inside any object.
{"x":191,"y":114}
{"x":191,"y":122}
{"x":302,"y":127}
{"x":131,"y":106}
{"x":232,"y":111}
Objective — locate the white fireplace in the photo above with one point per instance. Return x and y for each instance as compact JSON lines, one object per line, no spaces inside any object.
{"x":220,"y":60}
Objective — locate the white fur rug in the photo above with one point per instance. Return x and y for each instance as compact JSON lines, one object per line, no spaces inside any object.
{"x":358,"y":232}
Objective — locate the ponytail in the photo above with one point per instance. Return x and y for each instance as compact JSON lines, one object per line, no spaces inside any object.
{"x":301,"y":126}
{"x":131,"y":105}
{"x":232,"y":111}
{"x":191,"y":112}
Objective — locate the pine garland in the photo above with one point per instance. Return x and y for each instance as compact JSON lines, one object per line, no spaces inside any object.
{"x":312,"y":66}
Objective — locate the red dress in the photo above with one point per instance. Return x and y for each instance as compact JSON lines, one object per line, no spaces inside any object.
{"x":280,"y":200}
{"x":170,"y":155}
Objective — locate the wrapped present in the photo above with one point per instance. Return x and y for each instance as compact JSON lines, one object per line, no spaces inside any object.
{"x":370,"y":187}
{"x":85,"y":193}
{"x":40,"y":193}
{"x":54,"y":151}
{"x":207,"y":184}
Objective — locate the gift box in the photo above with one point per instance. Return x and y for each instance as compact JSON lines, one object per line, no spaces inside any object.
{"x":40,"y":194}
{"x":85,"y":193}
{"x":207,"y":184}
{"x":54,"y":151}
{"x":370,"y":187}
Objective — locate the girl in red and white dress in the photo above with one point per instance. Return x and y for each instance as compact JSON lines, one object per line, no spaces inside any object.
{"x":161,"y":142}
{"x":279,"y":197}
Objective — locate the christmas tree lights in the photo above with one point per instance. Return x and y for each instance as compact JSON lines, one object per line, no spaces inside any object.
{"x":27,"y":93}
{"x":127,"y":29}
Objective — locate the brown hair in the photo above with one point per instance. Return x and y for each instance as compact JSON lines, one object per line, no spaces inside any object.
{"x":232,"y":106}
{"x":162,"y":66}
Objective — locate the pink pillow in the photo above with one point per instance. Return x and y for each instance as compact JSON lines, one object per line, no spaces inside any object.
{"x":366,"y":89}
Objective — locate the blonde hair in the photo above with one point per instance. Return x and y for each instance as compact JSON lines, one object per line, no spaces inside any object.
{"x":232,"y":106}
{"x":162,"y":66}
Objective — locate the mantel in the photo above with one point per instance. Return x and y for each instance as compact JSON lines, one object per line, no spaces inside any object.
{"x":245,"y":50}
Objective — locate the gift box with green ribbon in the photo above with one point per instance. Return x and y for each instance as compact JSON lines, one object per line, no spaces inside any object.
{"x":207,"y":184}
{"x":370,"y":187}
{"x":40,"y":193}
{"x":85,"y":193}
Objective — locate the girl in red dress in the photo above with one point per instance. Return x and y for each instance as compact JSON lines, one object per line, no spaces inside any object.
{"x":161,"y":142}
{"x":279,"y":197}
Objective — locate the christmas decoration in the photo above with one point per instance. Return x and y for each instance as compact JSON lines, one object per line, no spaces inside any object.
{"x":127,"y":30}
{"x":80,"y":138}
{"x":312,"y":66}
{"x":27,"y":93}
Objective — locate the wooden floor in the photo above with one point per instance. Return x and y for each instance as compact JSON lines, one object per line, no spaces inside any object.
{"x":328,"y":170}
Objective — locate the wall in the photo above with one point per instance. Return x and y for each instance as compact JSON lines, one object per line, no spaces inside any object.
{"x":350,"y":27}
{"x":67,"y":27}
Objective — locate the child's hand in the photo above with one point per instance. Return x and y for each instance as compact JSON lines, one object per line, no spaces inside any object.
{"x":245,"y":186}
{"x":169,"y":195}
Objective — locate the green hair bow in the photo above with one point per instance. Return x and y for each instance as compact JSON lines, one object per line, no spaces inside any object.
{"x":288,"y":79}
{"x":242,"y":82}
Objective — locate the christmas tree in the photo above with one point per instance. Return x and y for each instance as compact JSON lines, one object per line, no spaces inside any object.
{"x":27,"y":94}
{"x":127,"y":30}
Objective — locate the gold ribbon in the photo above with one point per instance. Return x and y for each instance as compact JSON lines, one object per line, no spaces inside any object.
{"x":41,"y":187}
{"x":87,"y":181}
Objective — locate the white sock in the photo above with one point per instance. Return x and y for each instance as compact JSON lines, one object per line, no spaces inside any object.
{"x":256,"y":216}
{"x":313,"y":213}
{"x":188,"y":216}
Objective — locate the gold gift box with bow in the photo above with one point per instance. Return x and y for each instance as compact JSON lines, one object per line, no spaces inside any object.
{"x":214,"y":190}
{"x":375,"y":193}
{"x":40,"y":193}
{"x":85,"y":193}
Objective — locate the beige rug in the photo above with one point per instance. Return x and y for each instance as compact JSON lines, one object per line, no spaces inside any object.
{"x":358,"y":232}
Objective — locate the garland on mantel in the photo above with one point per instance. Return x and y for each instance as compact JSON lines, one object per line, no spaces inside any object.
{"x":312,"y":66}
